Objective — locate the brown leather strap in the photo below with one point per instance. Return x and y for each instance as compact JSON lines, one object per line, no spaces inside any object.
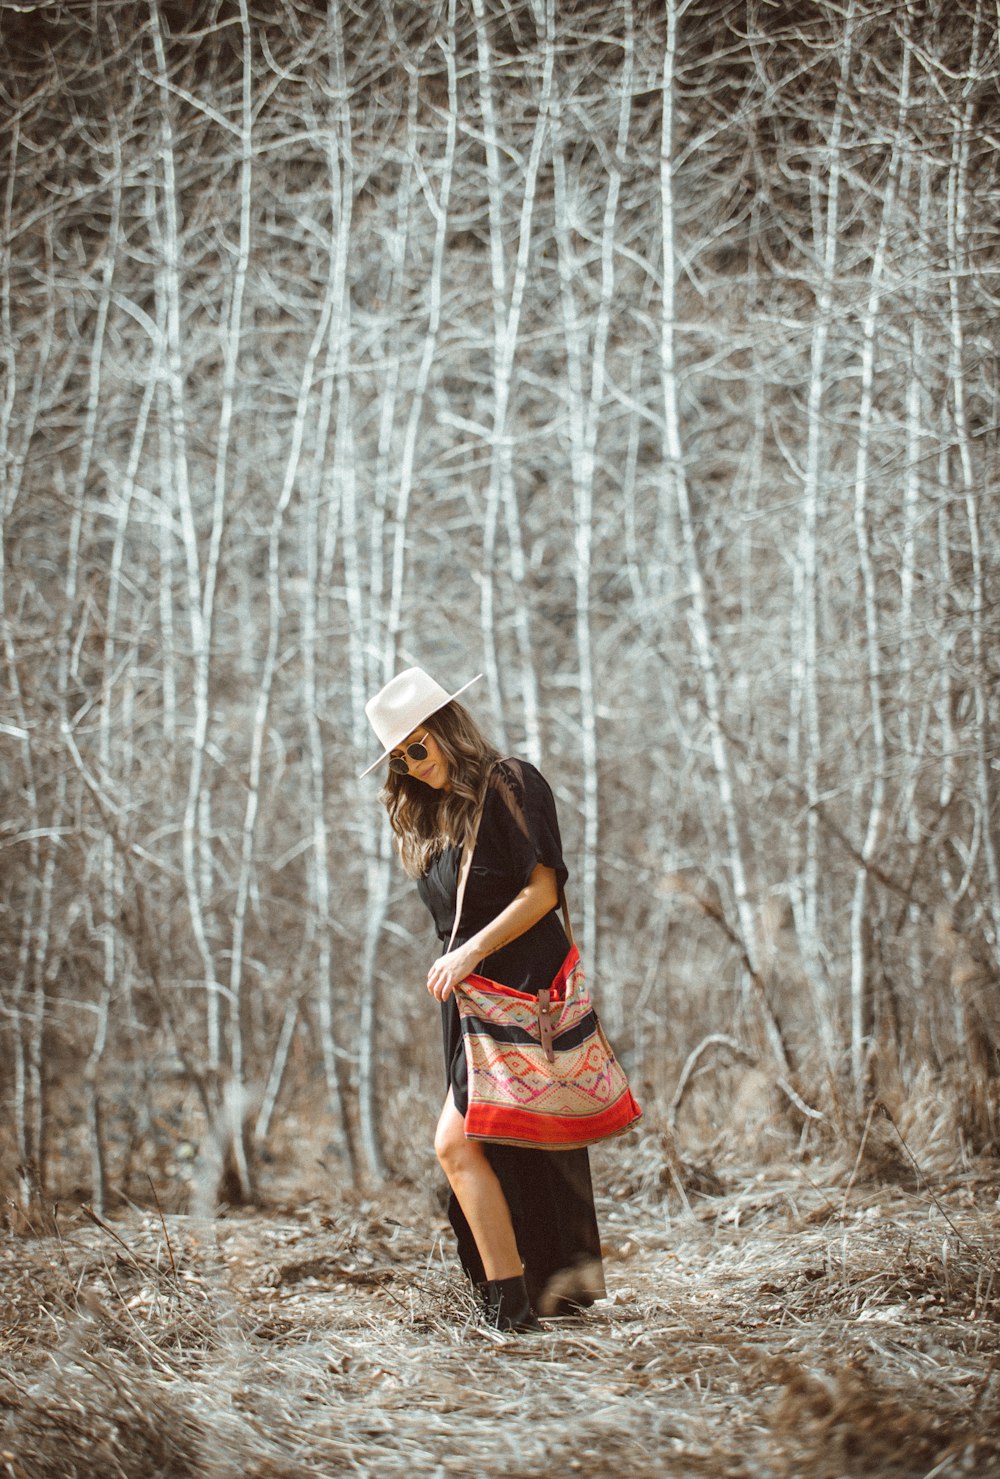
{"x":568,"y":923}
{"x":545,"y":1024}
{"x":465,"y":867}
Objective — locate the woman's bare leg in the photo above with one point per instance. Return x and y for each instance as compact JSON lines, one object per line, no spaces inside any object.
{"x":479,"y":1194}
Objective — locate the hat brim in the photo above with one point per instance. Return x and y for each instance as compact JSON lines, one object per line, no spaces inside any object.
{"x":450,"y":699}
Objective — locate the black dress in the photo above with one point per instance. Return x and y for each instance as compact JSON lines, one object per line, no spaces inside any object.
{"x":549,"y":1193}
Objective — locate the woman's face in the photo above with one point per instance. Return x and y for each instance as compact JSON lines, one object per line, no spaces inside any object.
{"x":434,"y":770}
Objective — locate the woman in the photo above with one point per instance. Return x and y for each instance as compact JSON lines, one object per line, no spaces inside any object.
{"x":524,"y":1218}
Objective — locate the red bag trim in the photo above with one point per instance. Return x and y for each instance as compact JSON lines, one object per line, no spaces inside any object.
{"x":557,"y":988}
{"x":511,"y":1126}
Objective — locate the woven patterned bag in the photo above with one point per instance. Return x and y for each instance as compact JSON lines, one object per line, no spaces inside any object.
{"x":555,"y":1084}
{"x":541,"y":1071}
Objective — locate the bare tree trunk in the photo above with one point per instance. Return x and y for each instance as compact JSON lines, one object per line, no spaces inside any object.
{"x":392,"y":617}
{"x":279,"y":1061}
{"x":95,"y":1105}
{"x":45,"y":962}
{"x":374,"y":849}
{"x":502,"y":491}
{"x":826,"y":175}
{"x":698,"y":606}
{"x":113,"y":726}
{"x":165,"y":544}
{"x":12,"y":466}
{"x":373,"y":668}
{"x":369,"y":1128}
{"x":860,"y":1007}
{"x":237,"y":988}
{"x":326,"y":496}
{"x":958,"y":268}
{"x":586,"y":405}
{"x":196,"y":845}
{"x":912,"y":736}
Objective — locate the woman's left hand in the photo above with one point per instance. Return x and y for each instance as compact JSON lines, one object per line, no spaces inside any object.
{"x":448,"y":970}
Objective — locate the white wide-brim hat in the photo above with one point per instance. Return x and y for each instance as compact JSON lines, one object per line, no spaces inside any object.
{"x":406,"y":701}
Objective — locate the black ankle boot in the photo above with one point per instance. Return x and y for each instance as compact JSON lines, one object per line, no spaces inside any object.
{"x":508,"y":1306}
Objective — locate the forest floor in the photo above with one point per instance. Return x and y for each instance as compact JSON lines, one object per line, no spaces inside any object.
{"x":789,"y":1321}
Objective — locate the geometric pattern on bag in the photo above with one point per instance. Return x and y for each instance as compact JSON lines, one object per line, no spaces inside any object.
{"x":516,"y":1095}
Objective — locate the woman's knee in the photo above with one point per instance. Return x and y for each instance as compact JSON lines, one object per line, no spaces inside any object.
{"x":451,"y":1147}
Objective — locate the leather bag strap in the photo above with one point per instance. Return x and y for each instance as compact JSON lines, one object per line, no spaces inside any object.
{"x":545,"y":1024}
{"x":465,"y":867}
{"x":568,"y":923}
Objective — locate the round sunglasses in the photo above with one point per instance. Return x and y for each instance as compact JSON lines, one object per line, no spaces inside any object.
{"x":416,"y":751}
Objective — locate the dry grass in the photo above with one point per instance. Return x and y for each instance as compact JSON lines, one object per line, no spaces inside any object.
{"x":798,"y":1321}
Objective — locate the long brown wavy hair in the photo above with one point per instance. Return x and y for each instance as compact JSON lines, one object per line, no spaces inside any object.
{"x":425,"y":820}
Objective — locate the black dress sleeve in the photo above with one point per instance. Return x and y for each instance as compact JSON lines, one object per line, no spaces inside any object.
{"x":524,"y":811}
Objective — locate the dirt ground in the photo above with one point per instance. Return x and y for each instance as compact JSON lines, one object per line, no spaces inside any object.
{"x":792,"y":1321}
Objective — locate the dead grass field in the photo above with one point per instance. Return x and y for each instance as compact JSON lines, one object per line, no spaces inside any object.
{"x":795,"y":1320}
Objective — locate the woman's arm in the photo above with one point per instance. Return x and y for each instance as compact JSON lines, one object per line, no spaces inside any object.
{"x":539,"y":896}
